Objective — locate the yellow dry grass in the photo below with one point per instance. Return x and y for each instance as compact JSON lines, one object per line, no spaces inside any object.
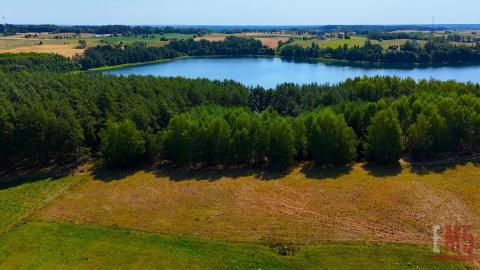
{"x":211,"y":38}
{"x":306,"y":205}
{"x":67,"y":50}
{"x":271,"y":42}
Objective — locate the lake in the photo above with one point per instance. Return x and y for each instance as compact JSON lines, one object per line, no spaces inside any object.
{"x":269,"y":72}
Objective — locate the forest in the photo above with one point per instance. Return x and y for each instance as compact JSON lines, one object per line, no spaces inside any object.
{"x":37,"y":62}
{"x":55,"y":118}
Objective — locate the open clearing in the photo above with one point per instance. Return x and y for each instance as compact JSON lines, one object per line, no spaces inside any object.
{"x":94,"y":219}
{"x":306,"y":205}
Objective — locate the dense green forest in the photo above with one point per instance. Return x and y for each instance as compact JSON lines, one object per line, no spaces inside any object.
{"x":436,"y":51}
{"x":232,"y":45}
{"x":52,"y":118}
{"x":108,"y":55}
{"x":36,"y":62}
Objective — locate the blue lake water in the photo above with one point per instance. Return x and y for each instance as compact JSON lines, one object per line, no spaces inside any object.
{"x":269,"y":72}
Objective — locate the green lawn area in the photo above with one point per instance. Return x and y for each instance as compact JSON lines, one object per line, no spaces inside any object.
{"x":41,"y":245}
{"x":18,"y":201}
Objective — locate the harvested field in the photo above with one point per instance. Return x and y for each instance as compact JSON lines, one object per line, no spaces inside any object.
{"x":67,"y":50}
{"x":271,"y":42}
{"x":306,"y":205}
{"x":211,"y":38}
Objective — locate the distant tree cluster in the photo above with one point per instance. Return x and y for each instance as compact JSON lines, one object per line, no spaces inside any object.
{"x":108,"y":55}
{"x":231,"y":46}
{"x":51,"y":118}
{"x":437,"y":51}
{"x":101,"y":29}
{"x":397,"y":35}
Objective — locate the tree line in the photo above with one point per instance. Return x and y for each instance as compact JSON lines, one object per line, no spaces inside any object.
{"x":112,"y":55}
{"x":51,"y":118}
{"x":436,"y":51}
{"x":101,"y":29}
{"x":37,"y":62}
{"x":397,"y":35}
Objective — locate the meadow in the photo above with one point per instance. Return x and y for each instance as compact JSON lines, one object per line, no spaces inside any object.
{"x":303,"y":218}
{"x":29,"y":246}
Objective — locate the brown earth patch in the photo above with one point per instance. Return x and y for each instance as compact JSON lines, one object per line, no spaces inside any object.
{"x":272,"y":42}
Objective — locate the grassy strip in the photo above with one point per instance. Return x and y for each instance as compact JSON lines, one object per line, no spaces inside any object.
{"x":132,"y":64}
{"x":40,"y":245}
{"x":20,"y":200}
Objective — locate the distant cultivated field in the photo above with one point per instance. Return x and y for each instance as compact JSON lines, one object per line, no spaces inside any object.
{"x":67,"y":50}
{"x":267,"y":40}
{"x":151,"y":40}
{"x":67,"y":47}
{"x":354,"y":41}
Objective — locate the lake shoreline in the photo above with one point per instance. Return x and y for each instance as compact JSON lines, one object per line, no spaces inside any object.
{"x":270,"y":71}
{"x":300,"y":60}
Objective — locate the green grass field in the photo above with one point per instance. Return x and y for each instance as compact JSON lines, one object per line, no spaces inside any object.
{"x":39,"y":245}
{"x":21,"y":200}
{"x":332,"y":43}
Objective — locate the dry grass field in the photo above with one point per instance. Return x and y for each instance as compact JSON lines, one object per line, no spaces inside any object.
{"x":19,"y":44}
{"x":267,"y":40}
{"x":359,"y":217}
{"x":304,"y":205}
{"x":67,"y":50}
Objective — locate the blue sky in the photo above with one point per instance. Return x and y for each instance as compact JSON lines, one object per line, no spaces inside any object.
{"x":240,"y":12}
